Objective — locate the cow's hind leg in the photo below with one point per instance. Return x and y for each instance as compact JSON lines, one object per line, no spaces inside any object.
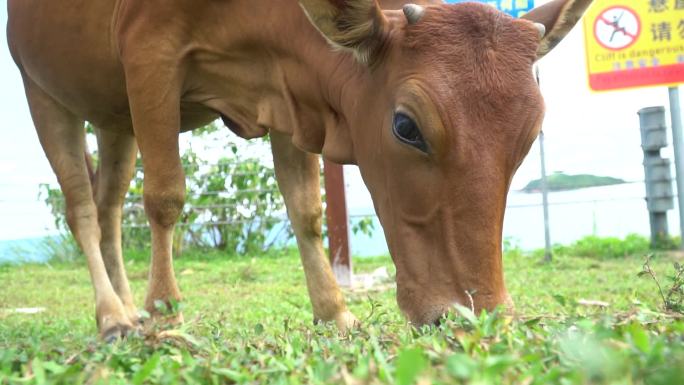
{"x":117,"y":154}
{"x":298,"y":175}
{"x":62,"y":136}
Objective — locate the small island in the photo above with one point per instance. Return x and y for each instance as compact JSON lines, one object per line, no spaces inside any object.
{"x":559,"y":181}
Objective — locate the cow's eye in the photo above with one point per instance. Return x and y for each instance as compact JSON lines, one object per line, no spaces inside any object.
{"x":406,"y":130}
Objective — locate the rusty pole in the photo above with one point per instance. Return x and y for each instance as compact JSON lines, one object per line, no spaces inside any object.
{"x":336,"y":216}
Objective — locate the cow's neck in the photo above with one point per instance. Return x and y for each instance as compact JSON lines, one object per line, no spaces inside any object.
{"x":284,"y":78}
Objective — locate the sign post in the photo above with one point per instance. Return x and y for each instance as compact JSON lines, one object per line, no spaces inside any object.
{"x":640,"y":43}
{"x":678,"y":146}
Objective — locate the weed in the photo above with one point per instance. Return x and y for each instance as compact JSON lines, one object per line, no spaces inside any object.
{"x":672,"y":297}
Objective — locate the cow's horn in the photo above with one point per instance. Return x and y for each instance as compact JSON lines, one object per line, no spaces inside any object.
{"x":413,"y":13}
{"x":542,"y":30}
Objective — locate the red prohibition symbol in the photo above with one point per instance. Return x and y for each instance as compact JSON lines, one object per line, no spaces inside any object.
{"x":617,"y":28}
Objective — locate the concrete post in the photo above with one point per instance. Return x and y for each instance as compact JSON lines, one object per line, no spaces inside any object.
{"x":659,"y":196}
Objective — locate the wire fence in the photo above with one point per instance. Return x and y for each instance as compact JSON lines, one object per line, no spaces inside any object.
{"x":135,"y":200}
{"x":243,"y":197}
{"x":575,"y":213}
{"x":575,"y":202}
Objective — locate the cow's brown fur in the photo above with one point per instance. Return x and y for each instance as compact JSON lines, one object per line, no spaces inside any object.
{"x":142,"y":71}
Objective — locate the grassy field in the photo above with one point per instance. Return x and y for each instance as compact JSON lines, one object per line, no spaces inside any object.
{"x":248,"y":320}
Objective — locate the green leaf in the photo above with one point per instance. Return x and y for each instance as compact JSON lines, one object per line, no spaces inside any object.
{"x":461,"y":366}
{"x":410,"y":364}
{"x":533,"y":322}
{"x":498,"y":364}
{"x":146,"y":370}
{"x":466,"y":313}
{"x":160,"y":306}
{"x":642,"y":273}
{"x":259,"y":329}
{"x":230,"y":374}
{"x":38,"y":370}
{"x":639,"y":337}
{"x":560,"y":299}
{"x":144,"y":314}
{"x":54,"y":368}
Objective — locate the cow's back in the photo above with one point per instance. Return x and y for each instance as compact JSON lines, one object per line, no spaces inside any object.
{"x":67,"y":48}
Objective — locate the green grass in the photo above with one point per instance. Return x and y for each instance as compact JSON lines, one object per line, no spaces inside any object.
{"x":249,"y":321}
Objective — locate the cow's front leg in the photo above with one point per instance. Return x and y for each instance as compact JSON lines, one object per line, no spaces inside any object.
{"x":298,"y":175}
{"x":154,"y":95}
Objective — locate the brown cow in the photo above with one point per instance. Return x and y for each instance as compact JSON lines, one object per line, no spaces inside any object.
{"x":436,"y":105}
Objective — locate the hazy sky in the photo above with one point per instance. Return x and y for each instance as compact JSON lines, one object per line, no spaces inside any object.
{"x":585,"y":132}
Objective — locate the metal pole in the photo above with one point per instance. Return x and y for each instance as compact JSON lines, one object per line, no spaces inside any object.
{"x":545,"y":201}
{"x":678,"y":146}
{"x":545,"y":187}
{"x":337,"y":219}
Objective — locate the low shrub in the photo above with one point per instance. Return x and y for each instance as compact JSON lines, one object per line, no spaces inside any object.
{"x":602,"y":247}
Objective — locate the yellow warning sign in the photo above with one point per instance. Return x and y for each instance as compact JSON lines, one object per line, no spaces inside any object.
{"x":634,"y":43}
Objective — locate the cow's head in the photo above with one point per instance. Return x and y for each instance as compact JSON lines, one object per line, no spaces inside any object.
{"x":442,"y":110}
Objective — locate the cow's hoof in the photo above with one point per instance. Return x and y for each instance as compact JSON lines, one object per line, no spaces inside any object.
{"x":113,"y":321}
{"x":118,"y":332}
{"x":346,"y":321}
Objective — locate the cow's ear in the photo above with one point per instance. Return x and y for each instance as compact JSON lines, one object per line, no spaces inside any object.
{"x":558,"y":16}
{"x":354,"y":25}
